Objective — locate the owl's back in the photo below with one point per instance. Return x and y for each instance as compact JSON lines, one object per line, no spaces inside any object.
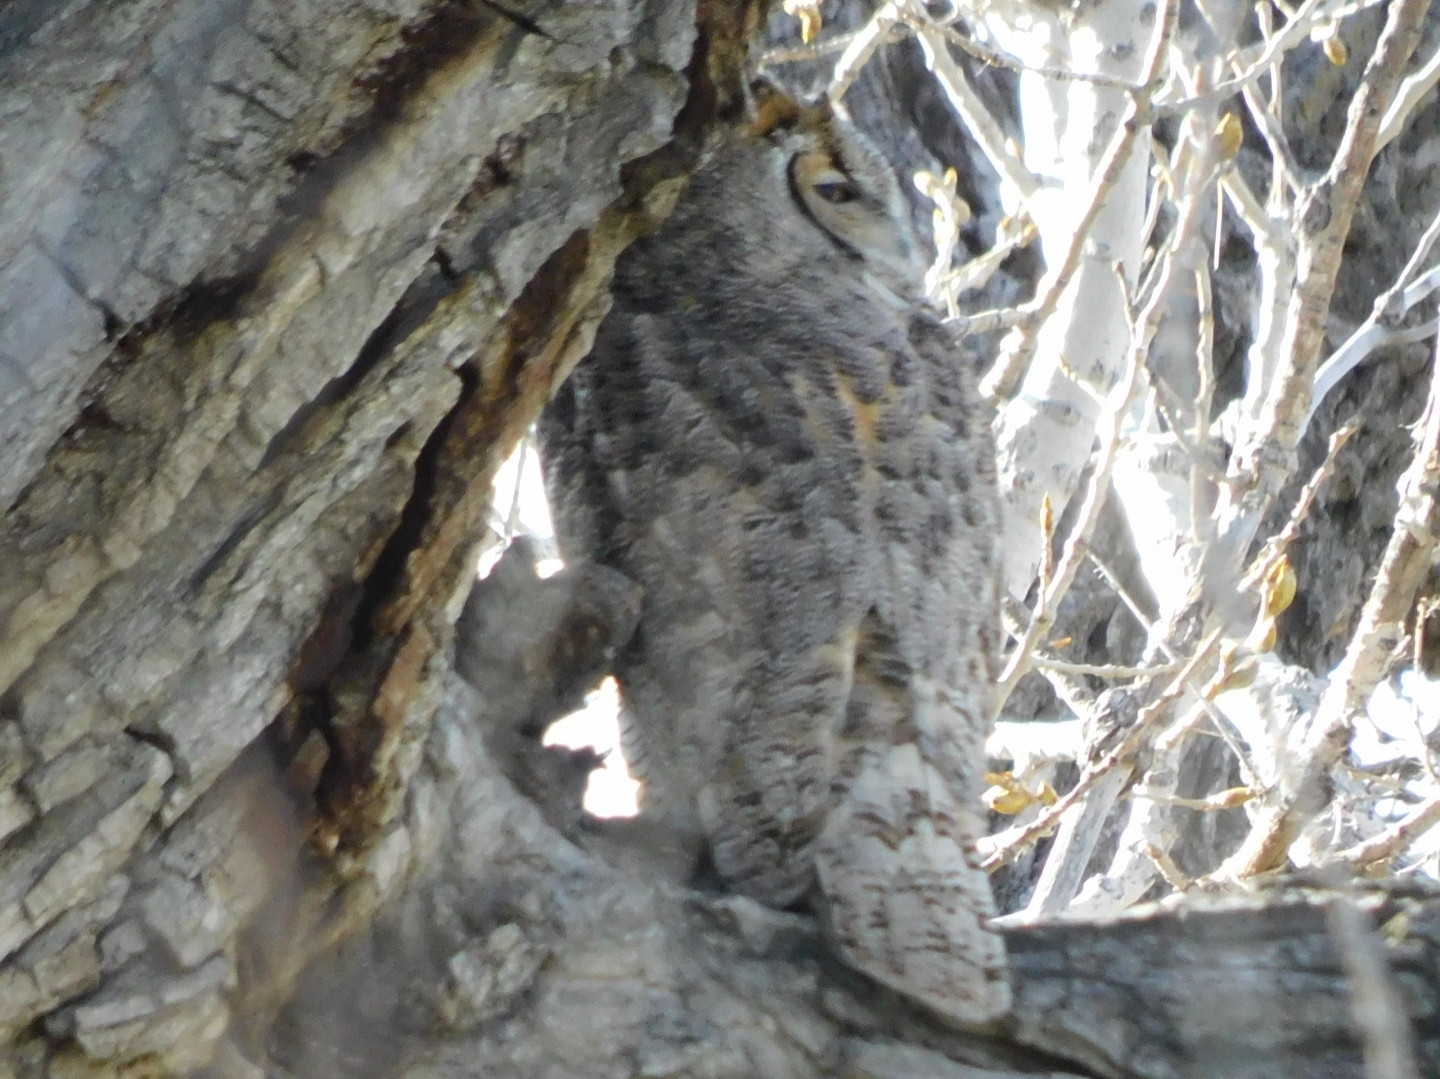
{"x":792,"y":464}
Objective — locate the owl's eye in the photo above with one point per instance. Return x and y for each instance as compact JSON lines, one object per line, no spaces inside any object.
{"x":837,"y":192}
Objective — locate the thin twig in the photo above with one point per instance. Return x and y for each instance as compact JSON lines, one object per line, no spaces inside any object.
{"x":1173,"y":874}
{"x":999,"y":318}
{"x":1006,"y":846}
{"x":967,"y":105}
{"x":1102,"y":670}
{"x":1382,"y":849}
{"x":1075,"y":841}
{"x":976,"y":273}
{"x":1287,"y":168}
{"x":1378,"y":330}
{"x":1279,"y":544}
{"x":1411,"y":91}
{"x":1117,"y":586}
{"x":1247,"y":205}
{"x":800,"y":54}
{"x":1213,"y":804}
{"x":1077,"y":543}
{"x":1275,"y":106}
{"x":1259,"y":59}
{"x":1223,"y":726}
{"x":861,"y":47}
{"x":1201,"y":482}
{"x":1285,"y":171}
{"x":998,"y":58}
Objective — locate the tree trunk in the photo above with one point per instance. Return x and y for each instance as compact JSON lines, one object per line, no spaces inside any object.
{"x":282,"y":285}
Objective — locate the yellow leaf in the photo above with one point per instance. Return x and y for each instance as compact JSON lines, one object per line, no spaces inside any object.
{"x":1229,"y":799}
{"x":1230,"y":134}
{"x":1008,"y":802}
{"x":1238,"y":669}
{"x":1335,"y":50}
{"x":1008,"y":795}
{"x":808,"y":12}
{"x":1280,"y":585}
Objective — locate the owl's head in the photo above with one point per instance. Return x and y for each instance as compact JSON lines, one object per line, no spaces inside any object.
{"x":844,"y":186}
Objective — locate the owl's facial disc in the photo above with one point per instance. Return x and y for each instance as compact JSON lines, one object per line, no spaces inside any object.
{"x":860,"y":220}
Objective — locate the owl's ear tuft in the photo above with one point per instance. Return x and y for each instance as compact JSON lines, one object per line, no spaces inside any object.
{"x":774,"y":109}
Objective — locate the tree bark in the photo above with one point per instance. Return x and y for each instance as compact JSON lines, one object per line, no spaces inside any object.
{"x":282,"y":285}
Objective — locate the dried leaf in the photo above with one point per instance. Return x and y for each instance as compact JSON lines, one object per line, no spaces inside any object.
{"x":1238,"y":669}
{"x":1230,"y":133}
{"x":1008,"y":802}
{"x":1335,"y":50}
{"x":1229,"y":799}
{"x":1280,"y":585}
{"x":1009,"y":796}
{"x":808,"y":12}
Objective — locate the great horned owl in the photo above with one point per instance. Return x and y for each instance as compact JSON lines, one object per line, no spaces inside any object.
{"x":792,"y":462}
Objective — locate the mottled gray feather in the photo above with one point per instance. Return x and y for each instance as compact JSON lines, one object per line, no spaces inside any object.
{"x":795,"y":469}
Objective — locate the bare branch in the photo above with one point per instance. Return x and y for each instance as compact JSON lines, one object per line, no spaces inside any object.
{"x":1081,"y":827}
{"x":1262,"y":462}
{"x":1411,"y":91}
{"x":1402,"y":569}
{"x":1278,"y":545}
{"x":987,"y":321}
{"x":999,"y":58}
{"x":800,"y":54}
{"x":1259,"y":59}
{"x":1201,"y":481}
{"x":1381,"y":850}
{"x":1055,"y":585}
{"x":1379,"y":329}
{"x":1019,"y":346}
{"x":1286,"y":167}
{"x":977,"y":272}
{"x":968,"y":106}
{"x":1007,"y":845}
{"x":1103,"y":670}
{"x":861,"y":47}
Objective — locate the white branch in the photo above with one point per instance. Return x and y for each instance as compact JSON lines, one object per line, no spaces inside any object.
{"x":1411,"y":91}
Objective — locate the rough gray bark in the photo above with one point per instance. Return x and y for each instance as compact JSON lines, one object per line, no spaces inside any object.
{"x":281,"y":285}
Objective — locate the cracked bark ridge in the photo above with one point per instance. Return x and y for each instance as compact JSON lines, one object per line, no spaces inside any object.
{"x":283,"y":281}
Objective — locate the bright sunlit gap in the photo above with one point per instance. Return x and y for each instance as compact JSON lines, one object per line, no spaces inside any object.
{"x":518,"y":508}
